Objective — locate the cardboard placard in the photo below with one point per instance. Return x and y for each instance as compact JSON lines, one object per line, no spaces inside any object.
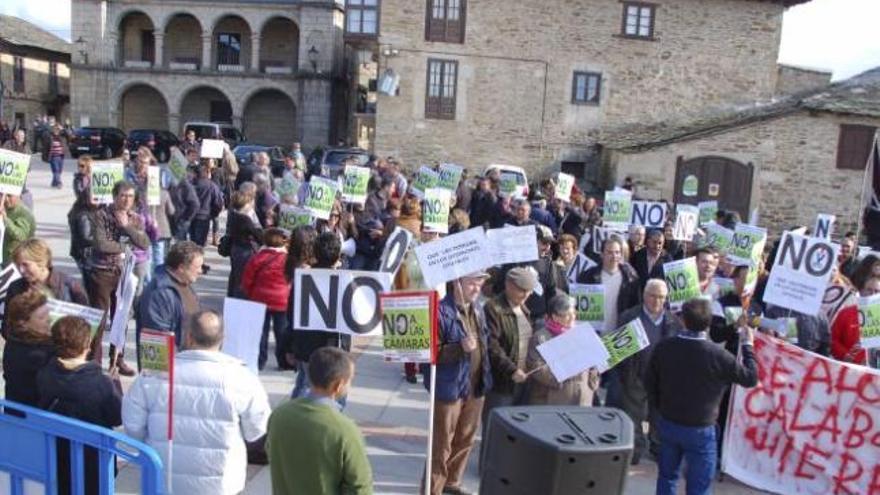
{"x":344,"y":301}
{"x":14,"y":169}
{"x":409,"y":326}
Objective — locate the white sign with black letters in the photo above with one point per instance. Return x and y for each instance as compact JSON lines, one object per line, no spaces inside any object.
{"x":580,"y":264}
{"x":687,"y":218}
{"x":344,"y":301}
{"x":395,"y":250}
{"x":650,"y":214}
{"x":454,"y":256}
{"x":800,"y":273}
{"x":824,"y":225}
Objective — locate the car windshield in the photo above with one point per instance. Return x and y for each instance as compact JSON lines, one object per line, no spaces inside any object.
{"x":520,"y":179}
{"x":336,"y":157}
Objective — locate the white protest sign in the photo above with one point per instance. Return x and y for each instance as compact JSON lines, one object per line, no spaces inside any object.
{"x":686,"y":221}
{"x":800,"y":273}
{"x":13,"y":171}
{"x":650,"y":214}
{"x":617,"y":210}
{"x":824,"y":225}
{"x":344,"y":301}
{"x":7,"y":276}
{"x":747,"y":244}
{"x":564,"y":185}
{"x":449,"y":176}
{"x":242,"y":328}
{"x":573,"y":352}
{"x":212,"y":148}
{"x":869,"y":321}
{"x":512,"y":245}
{"x":291,"y":216}
{"x":589,"y":304}
{"x":395,"y":250}
{"x":453,"y":256}
{"x":581,"y":264}
{"x":355,"y":183}
{"x":320,"y":196}
{"x":435,"y":214}
{"x":425,"y":179}
{"x":125,"y":292}
{"x":602,"y":234}
{"x":154,"y":186}
{"x":105,"y":175}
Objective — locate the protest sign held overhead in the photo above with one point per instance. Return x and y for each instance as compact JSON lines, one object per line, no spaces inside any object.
{"x":449,"y":176}
{"x":409,"y":326}
{"x":708,"y":209}
{"x":454,"y":256}
{"x":650,"y":214}
{"x":809,"y":427}
{"x":617,"y":210}
{"x":395,"y":250}
{"x":105,"y":175}
{"x":212,"y":148}
{"x":435,"y":214}
{"x":747,"y":244}
{"x":564,"y":185}
{"x":13,"y":171}
{"x":624,"y":342}
{"x":512,"y":245}
{"x":580,"y":264}
{"x":686,"y":222}
{"x":509,"y":185}
{"x":320,"y":196}
{"x":683,"y":281}
{"x":355,"y":183}
{"x":573,"y":352}
{"x":589,"y":304}
{"x":718,"y":237}
{"x":800,"y":273}
{"x":425,"y":179}
{"x":602,"y":234}
{"x":291,"y":217}
{"x":824,"y":225}
{"x":344,"y":301}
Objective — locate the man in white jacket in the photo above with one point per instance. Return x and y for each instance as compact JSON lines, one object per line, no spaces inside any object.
{"x":218,"y":404}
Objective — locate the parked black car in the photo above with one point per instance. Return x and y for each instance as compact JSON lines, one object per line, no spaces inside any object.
{"x":159,"y":141}
{"x":244,"y":153}
{"x":102,"y":142}
{"x":327,"y":162}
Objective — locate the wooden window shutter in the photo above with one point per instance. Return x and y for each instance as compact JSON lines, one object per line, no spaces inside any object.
{"x":854,"y":146}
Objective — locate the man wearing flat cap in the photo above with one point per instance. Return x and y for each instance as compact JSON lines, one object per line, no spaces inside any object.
{"x":463,"y":378}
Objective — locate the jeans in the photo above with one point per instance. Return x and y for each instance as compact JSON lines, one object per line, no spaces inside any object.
{"x":301,"y":386}
{"x":696,"y":446}
{"x":182,"y":231}
{"x":56,"y":164}
{"x":278,"y":321}
{"x":198,"y":231}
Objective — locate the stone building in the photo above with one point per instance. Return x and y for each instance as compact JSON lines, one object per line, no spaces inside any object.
{"x":532,"y":83}
{"x":274,"y":68}
{"x":34,"y":73}
{"x":789,"y":159}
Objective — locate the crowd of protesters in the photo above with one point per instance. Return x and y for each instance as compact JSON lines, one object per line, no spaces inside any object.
{"x":490,"y":322}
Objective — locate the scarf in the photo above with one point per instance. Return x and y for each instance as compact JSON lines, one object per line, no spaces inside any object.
{"x":554,"y":327}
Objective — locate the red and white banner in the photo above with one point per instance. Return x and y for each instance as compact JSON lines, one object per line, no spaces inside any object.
{"x":810,"y":426}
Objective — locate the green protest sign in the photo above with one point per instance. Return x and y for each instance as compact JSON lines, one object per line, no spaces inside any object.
{"x":13,"y":171}
{"x":450,"y":176}
{"x":59,"y":309}
{"x":869,"y":317}
{"x":354,"y":184}
{"x":177,"y":164}
{"x":508,"y":184}
{"x":747,"y":244}
{"x":708,"y":209}
{"x":625,"y":341}
{"x":718,"y":237}
{"x":407,"y":326}
{"x":682,"y":280}
{"x":154,"y":186}
{"x":320,"y":196}
{"x":291,"y":217}
{"x":425,"y":179}
{"x":287,"y":186}
{"x":156,"y":352}
{"x":105,"y":175}
{"x":617,"y":210}
{"x":564,"y":185}
{"x":589,"y":303}
{"x":435,"y":214}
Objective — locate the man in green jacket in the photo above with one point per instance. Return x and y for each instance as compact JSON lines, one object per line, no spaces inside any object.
{"x":312,"y":446}
{"x":19,"y":223}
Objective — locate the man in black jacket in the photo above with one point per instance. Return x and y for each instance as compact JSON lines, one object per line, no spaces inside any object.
{"x":686,"y":379}
{"x":619,"y":279}
{"x":648,"y":261}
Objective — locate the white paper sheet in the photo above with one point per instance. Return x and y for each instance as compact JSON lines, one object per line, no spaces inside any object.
{"x":574,"y":351}
{"x":242,"y":329}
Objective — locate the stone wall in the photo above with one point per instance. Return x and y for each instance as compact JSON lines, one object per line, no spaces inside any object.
{"x":132,"y":46}
{"x":270,"y":118}
{"x":795,"y":174}
{"x":520,"y":58}
{"x":36,"y":99}
{"x":791,"y":79}
{"x":183,"y":40}
{"x":142,"y":107}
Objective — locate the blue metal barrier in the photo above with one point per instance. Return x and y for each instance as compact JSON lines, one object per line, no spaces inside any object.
{"x":28,"y":451}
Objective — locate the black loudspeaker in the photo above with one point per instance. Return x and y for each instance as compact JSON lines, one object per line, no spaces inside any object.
{"x":556,"y":450}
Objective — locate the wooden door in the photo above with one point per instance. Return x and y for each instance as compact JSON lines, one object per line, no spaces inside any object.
{"x":708,"y":178}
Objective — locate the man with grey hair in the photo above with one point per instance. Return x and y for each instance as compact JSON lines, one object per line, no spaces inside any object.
{"x":521,"y":212}
{"x":627,"y":392}
{"x":218,"y":405}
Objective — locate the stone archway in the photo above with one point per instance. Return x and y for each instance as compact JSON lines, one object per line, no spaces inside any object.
{"x":270,"y":118}
{"x":137,"y":46}
{"x":142,"y":106}
{"x":205,"y":104}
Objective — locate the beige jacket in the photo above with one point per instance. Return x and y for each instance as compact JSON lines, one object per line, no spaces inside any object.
{"x":543,"y":389}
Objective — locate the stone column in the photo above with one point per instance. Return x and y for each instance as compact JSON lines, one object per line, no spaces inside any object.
{"x":255,"y":52}
{"x":158,"y":48}
{"x":115,"y":54}
{"x":236,"y":121}
{"x":207,"y":39}
{"x":174,"y":122}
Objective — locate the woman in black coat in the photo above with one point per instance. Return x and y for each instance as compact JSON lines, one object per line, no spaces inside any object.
{"x":72,"y":386}
{"x":28,"y":346}
{"x":244,"y":237}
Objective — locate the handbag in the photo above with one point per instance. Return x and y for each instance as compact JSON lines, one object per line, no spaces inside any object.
{"x":224,"y":247}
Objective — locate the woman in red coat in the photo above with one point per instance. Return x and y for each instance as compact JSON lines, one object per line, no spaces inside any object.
{"x":841,"y":305}
{"x":264,"y":281}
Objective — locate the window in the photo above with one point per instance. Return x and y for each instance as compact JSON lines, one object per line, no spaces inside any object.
{"x":18,"y":75}
{"x":586,"y":88}
{"x":442,"y":82}
{"x":228,"y":48}
{"x":445,"y":21}
{"x":854,"y":146}
{"x":638,"y":20}
{"x":362,"y":16}
{"x":148,"y":46}
{"x":53,"y":78}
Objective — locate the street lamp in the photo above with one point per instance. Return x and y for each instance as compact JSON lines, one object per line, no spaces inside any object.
{"x":83,"y":54}
{"x":313,"y":58}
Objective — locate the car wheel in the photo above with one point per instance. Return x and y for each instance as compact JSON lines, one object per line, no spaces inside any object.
{"x":107,"y":153}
